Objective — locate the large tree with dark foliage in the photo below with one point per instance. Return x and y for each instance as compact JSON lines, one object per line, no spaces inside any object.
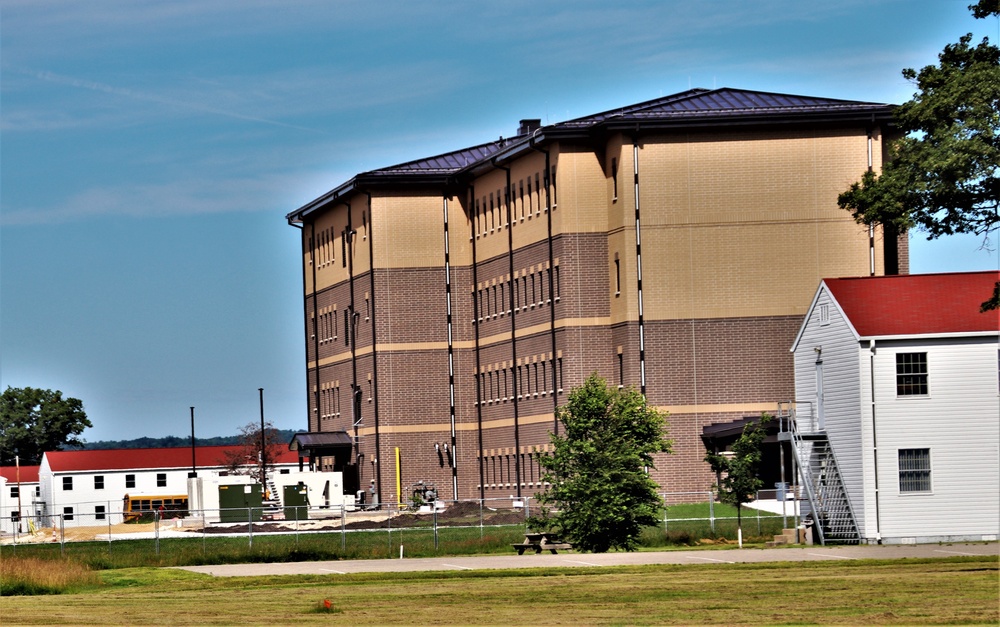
{"x":601,"y":494}
{"x":943,"y":176}
{"x":33,"y":421}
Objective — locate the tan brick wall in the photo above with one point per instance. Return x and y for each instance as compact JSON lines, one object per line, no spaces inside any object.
{"x":737,"y":231}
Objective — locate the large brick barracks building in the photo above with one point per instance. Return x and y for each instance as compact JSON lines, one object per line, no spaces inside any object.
{"x":451,"y":303}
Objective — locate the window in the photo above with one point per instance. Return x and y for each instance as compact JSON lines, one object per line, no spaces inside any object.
{"x":98,"y":482}
{"x":161,"y":479}
{"x":67,"y":513}
{"x":15,"y":491}
{"x":15,"y":516}
{"x":99,"y":512}
{"x":130,"y":481}
{"x":614,"y":177}
{"x":914,"y":470}
{"x":824,"y":314}
{"x":67,"y":483}
{"x":618,"y":276}
{"x":911,"y":374}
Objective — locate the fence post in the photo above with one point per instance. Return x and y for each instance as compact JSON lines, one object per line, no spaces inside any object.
{"x":343,"y":528}
{"x":250,"y":525}
{"x":109,"y":527}
{"x":711,"y":511}
{"x":62,"y":535}
{"x":481,"y":530}
{"x":759,"y":532}
{"x":434,"y":509}
{"x":156,"y":529}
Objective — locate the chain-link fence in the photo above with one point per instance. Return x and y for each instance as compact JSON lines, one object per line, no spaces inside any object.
{"x":373,"y":531}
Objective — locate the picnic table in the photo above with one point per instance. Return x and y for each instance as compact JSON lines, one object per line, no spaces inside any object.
{"x":539,"y":542}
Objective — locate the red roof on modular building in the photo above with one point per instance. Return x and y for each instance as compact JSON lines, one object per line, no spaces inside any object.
{"x":147,"y":458}
{"x":27,"y":474}
{"x":917,"y":304}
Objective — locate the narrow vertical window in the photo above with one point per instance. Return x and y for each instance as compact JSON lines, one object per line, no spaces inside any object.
{"x":911,"y":374}
{"x":538,"y":188}
{"x":521,"y":195}
{"x":614,"y":178}
{"x":618,"y":276}
{"x":555,"y":188}
{"x":915,"y":470}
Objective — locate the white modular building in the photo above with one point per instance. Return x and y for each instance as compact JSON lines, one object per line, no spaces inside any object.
{"x":898,"y":377}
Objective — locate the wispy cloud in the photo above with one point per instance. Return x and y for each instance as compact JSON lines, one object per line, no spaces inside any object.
{"x":71,"y":81}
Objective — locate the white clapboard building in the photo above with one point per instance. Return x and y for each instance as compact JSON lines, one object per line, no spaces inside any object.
{"x":898,"y":398}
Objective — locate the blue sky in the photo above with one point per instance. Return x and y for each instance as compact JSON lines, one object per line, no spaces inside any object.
{"x":149,"y":151}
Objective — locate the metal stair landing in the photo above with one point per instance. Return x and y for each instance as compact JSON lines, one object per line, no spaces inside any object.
{"x":834,"y":521}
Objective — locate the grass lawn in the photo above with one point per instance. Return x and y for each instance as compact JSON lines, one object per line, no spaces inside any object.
{"x":958,"y":590}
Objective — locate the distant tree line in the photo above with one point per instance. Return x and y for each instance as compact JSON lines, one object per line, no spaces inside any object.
{"x":172,"y":441}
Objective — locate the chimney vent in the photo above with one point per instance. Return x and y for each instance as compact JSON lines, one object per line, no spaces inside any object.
{"x":529,"y":126}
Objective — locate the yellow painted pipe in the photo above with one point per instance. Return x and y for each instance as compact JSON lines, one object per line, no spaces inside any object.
{"x":399,"y":481}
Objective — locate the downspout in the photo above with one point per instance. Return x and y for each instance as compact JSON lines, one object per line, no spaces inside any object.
{"x":451,"y":352}
{"x":871,"y":227}
{"x":475,"y":326}
{"x":638,"y":261}
{"x":871,"y":365}
{"x":513,"y":323}
{"x":374,"y":309}
{"x":351,"y":330}
{"x":552,"y":290}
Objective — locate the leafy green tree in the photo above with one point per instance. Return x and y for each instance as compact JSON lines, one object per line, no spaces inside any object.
{"x":34,"y":421}
{"x":943,"y":176}
{"x":739,"y":482}
{"x":600,"y":488}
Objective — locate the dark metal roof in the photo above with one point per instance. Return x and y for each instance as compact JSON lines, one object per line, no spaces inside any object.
{"x":727,"y":105}
{"x":694,"y":108}
{"x":448,"y":163}
{"x":307,"y":441}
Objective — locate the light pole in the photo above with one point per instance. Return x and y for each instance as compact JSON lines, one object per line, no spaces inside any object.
{"x":194,"y":469}
{"x":263,"y":447}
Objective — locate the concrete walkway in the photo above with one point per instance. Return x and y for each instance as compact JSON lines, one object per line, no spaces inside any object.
{"x":578,"y":560}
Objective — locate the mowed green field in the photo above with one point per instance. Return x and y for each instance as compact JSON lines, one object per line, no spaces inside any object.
{"x":963,"y":590}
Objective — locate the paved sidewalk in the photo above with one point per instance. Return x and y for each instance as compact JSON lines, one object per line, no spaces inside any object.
{"x":577,"y":560}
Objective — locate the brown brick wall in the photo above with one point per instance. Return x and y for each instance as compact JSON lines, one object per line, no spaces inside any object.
{"x":738,"y":229}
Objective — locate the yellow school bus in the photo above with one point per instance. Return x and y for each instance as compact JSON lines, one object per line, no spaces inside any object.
{"x":136,"y":506}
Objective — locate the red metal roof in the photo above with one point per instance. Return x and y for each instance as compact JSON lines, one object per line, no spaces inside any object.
{"x":28,"y":474}
{"x":917,"y":304}
{"x":147,"y":458}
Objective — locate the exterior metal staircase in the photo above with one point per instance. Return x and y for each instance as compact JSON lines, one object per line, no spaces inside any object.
{"x":834,"y":521}
{"x":272,"y":505}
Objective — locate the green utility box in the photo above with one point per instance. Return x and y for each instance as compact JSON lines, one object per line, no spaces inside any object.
{"x":237,"y":502}
{"x":296,"y":500}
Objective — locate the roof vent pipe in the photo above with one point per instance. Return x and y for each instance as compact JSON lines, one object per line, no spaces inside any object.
{"x":529,"y":126}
